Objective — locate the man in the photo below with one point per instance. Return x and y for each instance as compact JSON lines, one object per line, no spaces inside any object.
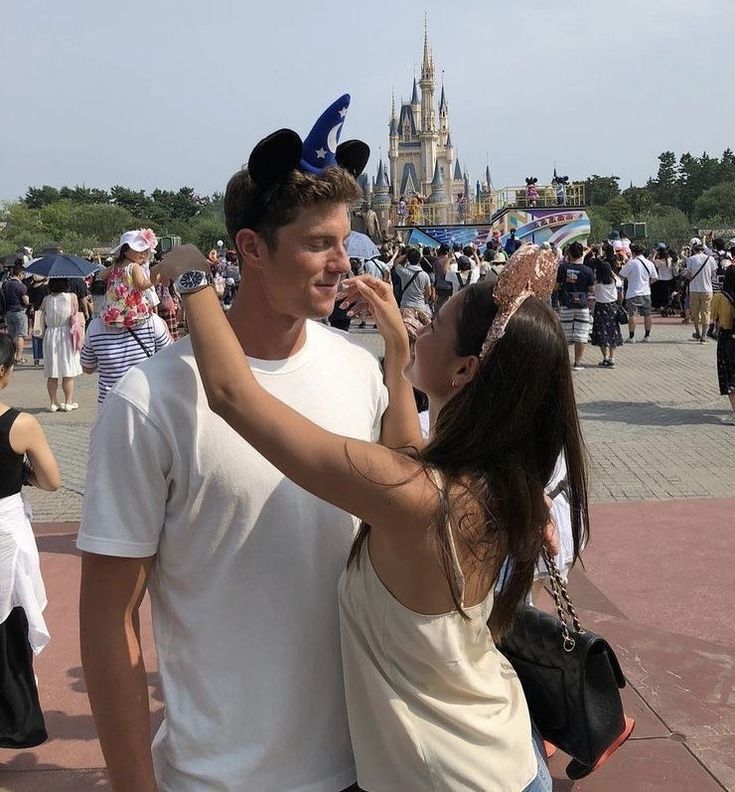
{"x":78,"y":286}
{"x":16,"y":301}
{"x":412,"y":283}
{"x":639,"y":273}
{"x":512,"y":244}
{"x":576,"y":283}
{"x":700,"y":270}
{"x":241,"y":564}
{"x":113,"y":351}
{"x":442,"y":286}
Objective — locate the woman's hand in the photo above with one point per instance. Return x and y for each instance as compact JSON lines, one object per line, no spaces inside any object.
{"x":179,"y":260}
{"x":365,"y":291}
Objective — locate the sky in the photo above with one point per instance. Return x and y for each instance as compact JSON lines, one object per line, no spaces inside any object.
{"x":165,"y":93}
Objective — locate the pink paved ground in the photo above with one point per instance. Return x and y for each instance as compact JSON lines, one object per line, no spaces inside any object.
{"x":656,"y":584}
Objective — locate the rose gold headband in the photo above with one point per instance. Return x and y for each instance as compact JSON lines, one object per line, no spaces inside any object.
{"x":531,"y":272}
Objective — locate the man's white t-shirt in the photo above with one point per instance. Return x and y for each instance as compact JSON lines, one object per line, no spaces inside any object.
{"x":702,"y":283}
{"x":244,"y":585}
{"x":639,"y":272}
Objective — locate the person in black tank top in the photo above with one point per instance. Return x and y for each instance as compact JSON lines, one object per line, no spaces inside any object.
{"x":22,"y":628}
{"x":11,"y":462}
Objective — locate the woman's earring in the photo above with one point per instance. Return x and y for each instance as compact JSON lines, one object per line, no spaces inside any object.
{"x":454,"y":383}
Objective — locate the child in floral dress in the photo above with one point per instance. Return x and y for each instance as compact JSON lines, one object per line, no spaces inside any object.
{"x":125,"y":303}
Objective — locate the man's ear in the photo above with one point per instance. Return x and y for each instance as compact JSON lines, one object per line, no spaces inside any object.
{"x":250,"y":246}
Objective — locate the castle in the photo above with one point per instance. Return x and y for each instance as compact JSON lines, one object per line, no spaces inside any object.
{"x":421,"y":155}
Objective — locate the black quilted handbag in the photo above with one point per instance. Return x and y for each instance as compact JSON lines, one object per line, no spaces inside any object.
{"x":571,"y":679}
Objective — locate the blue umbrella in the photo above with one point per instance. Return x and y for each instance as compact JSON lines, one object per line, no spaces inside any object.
{"x":361,"y":246}
{"x":59,"y":265}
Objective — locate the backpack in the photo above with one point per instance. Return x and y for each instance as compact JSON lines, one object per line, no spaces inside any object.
{"x":398,"y":287}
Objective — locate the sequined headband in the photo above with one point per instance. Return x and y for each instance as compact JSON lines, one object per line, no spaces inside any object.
{"x":531,"y":272}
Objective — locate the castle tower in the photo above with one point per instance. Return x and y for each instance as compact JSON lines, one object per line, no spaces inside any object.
{"x":428,"y":122}
{"x":439,"y":195}
{"x":443,"y":118}
{"x":416,"y":105}
{"x":381,"y":196}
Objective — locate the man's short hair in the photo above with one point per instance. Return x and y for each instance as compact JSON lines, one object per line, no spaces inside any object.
{"x":414,"y":255}
{"x":576,"y":250}
{"x":18,"y":267}
{"x":265,"y":210}
{"x":637,"y":249}
{"x":467,"y":250}
{"x":443,"y":249}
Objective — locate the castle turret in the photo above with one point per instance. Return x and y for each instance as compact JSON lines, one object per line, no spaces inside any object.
{"x":443,"y":118}
{"x":438,"y":189}
{"x":416,"y":105}
{"x":381,"y":196}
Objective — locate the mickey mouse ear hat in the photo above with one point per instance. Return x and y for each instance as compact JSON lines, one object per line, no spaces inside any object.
{"x":282,"y":152}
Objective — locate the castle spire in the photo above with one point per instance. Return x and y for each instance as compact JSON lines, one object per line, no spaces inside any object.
{"x":415,"y":95}
{"x":380,"y":182}
{"x":427,"y":65}
{"x":457,"y":170}
{"x":443,"y":106}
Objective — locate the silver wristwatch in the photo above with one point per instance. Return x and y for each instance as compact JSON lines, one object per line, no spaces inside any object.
{"x":191,"y":281}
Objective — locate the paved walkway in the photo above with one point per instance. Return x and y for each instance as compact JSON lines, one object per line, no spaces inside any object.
{"x":656,"y":582}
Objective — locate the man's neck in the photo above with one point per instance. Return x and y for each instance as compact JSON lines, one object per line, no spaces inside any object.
{"x":262,"y":332}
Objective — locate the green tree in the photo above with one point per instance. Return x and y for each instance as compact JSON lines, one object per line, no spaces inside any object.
{"x":135,"y":201}
{"x":665,"y":187}
{"x":618,"y":211}
{"x":601,"y":189}
{"x":36,"y":197}
{"x":717,"y":201}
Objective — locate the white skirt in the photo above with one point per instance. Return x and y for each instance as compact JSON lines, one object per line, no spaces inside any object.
{"x":21,"y":583}
{"x":59,"y":357}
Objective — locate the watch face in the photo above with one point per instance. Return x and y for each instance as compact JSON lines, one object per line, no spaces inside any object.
{"x":192,"y":279}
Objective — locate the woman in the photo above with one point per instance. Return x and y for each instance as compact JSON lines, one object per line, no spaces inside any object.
{"x":662,"y":289}
{"x":431,"y":702}
{"x":608,"y":291}
{"x":60,"y":358}
{"x":23,"y":631}
{"x":724,"y":315}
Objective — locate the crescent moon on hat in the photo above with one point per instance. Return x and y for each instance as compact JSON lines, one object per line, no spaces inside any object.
{"x":332,"y":137}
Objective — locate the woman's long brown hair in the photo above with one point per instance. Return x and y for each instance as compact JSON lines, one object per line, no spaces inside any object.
{"x":498,"y":440}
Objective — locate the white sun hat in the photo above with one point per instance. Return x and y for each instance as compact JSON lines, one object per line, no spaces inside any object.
{"x":139,"y":240}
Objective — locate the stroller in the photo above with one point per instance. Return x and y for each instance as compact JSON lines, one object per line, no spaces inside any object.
{"x":677,"y":300}
{"x":675,"y":304}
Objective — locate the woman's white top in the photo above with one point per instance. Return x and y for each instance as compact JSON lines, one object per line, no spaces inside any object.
{"x":432,"y":704}
{"x":665,"y":268}
{"x":608,"y":292}
{"x":21,"y":583}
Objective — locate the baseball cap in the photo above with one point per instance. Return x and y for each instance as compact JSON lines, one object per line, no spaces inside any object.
{"x":695,"y":242}
{"x":661,"y":246}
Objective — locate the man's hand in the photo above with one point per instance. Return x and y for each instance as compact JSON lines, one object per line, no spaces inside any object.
{"x":181,"y":259}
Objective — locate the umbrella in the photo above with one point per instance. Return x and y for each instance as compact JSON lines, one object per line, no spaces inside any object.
{"x":361,"y":246}
{"x":59,"y":265}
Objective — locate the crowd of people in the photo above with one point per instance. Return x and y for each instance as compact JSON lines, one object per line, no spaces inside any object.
{"x":105,"y":323}
{"x":331,"y":573}
{"x":601,"y":294}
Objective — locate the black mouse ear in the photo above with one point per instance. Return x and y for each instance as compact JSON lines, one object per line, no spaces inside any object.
{"x":274,"y":157}
{"x":353,"y":155}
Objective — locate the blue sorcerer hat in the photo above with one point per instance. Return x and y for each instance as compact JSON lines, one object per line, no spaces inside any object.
{"x":320,"y":147}
{"x":282,"y":152}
